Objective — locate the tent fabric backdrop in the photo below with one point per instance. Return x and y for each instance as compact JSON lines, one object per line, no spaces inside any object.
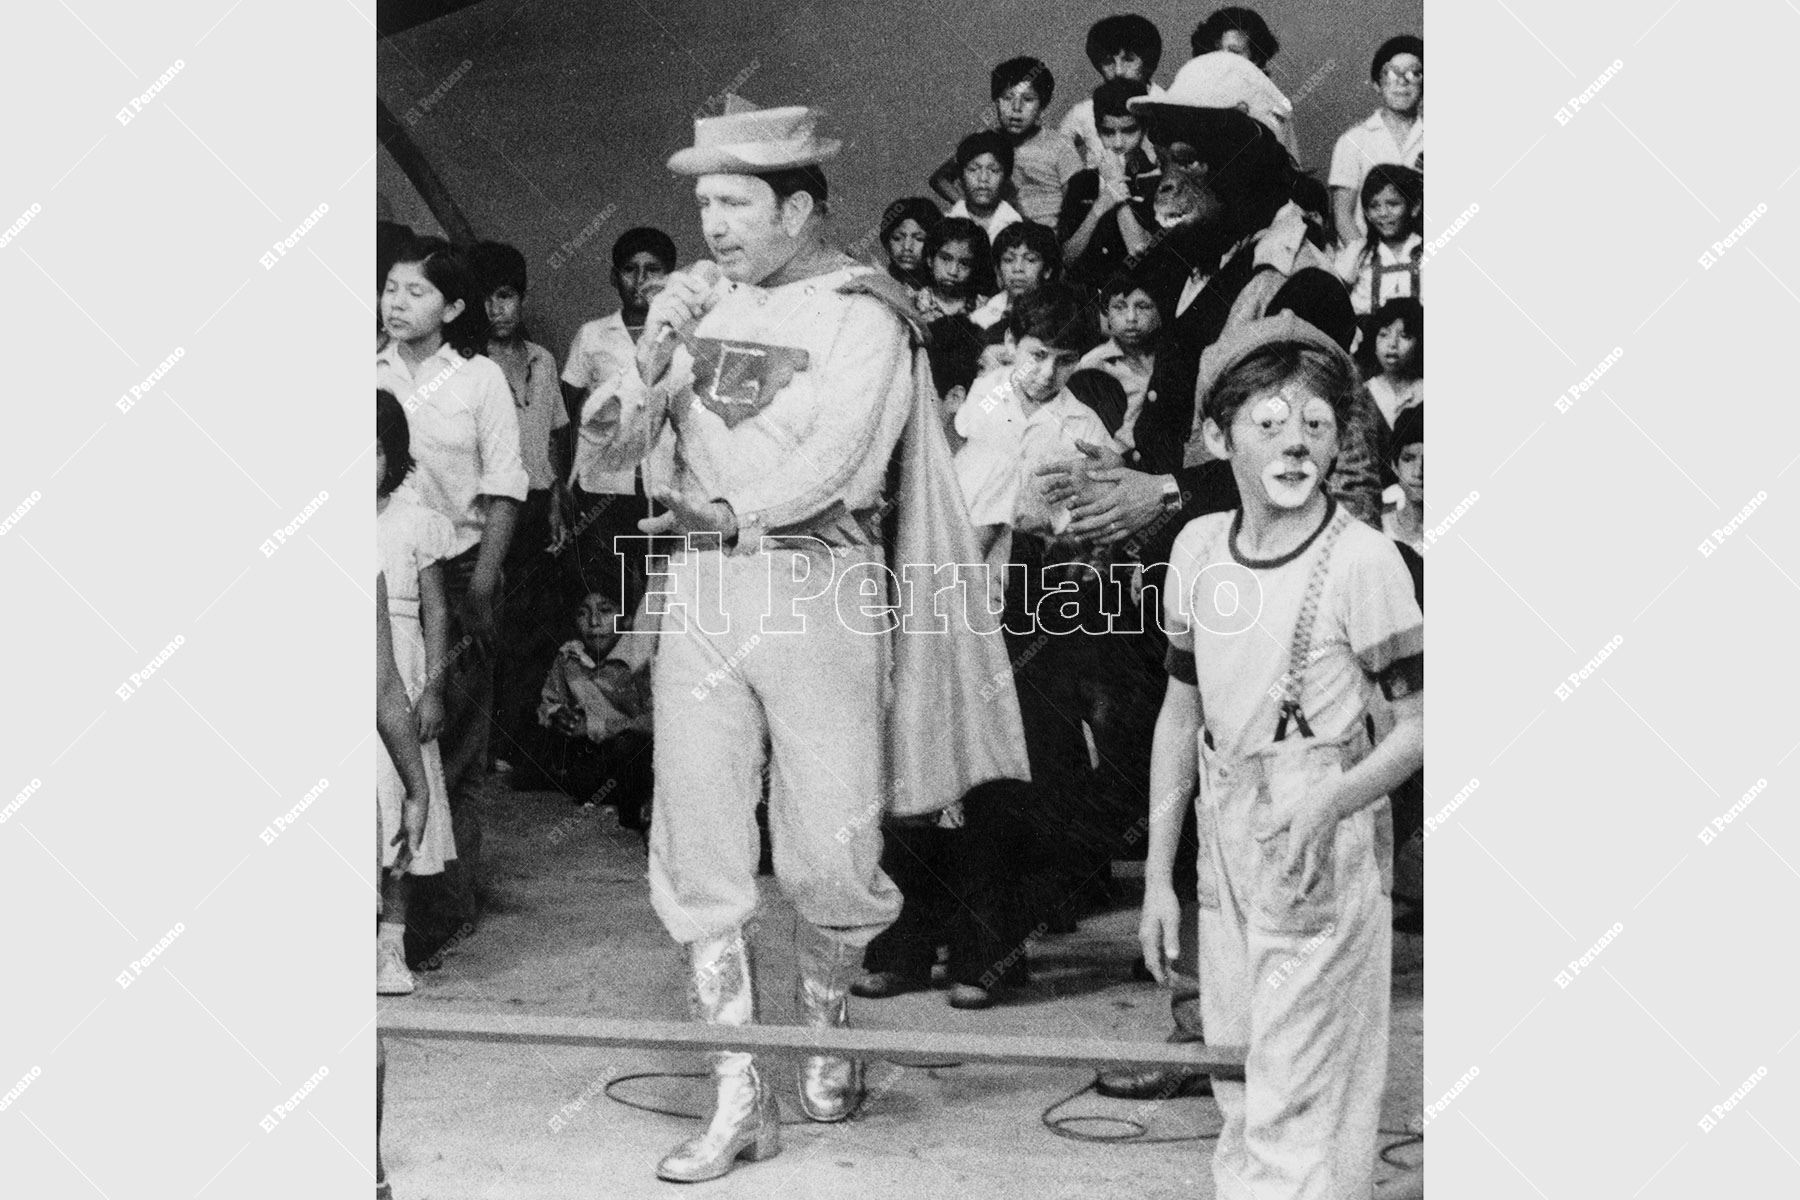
{"x":550,"y":120}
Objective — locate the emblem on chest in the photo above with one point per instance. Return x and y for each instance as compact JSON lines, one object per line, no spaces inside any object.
{"x":738,"y":379}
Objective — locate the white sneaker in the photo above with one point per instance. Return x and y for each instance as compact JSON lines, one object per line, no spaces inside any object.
{"x":391,"y":976}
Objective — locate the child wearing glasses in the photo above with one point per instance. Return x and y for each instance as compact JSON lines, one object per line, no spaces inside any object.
{"x":1393,"y":133}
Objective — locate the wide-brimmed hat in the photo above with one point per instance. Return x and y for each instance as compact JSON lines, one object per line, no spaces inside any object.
{"x":747,"y":140}
{"x":1213,"y":101}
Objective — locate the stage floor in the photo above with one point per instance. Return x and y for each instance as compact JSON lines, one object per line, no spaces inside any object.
{"x":569,"y":931}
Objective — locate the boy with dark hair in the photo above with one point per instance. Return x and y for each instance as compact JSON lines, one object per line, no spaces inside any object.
{"x":984,"y":170}
{"x":527,"y":637}
{"x":1393,"y":133}
{"x":1132,"y":321}
{"x":1123,"y":46}
{"x":1236,"y":31}
{"x":609,"y":504}
{"x":1044,"y":160}
{"x":1297,"y":839}
{"x":1108,"y":212}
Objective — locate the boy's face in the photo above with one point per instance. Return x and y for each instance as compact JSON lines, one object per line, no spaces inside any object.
{"x":1018,"y":108}
{"x":1021,"y":271}
{"x":595,"y":624}
{"x":1132,"y":319}
{"x":411,"y":306}
{"x":1394,"y":346}
{"x":641,"y":278}
{"x":751,"y":234}
{"x":1235,"y":41}
{"x":1282,"y":442}
{"x":1124,"y":64}
{"x":952,"y":265}
{"x":1388,"y":213}
{"x":1041,"y":370}
{"x":906,"y":245}
{"x":504,"y":305}
{"x":1402,"y":83}
{"x":1409,"y":465}
{"x":982,"y":179}
{"x":1121,"y":135}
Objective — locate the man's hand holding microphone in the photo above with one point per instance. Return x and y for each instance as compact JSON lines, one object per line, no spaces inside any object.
{"x":685,"y":298}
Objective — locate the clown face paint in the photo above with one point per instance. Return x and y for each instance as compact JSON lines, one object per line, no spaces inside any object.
{"x":1289,"y":484}
{"x":1286,"y":438}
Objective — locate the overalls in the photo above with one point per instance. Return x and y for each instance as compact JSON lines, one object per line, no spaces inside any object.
{"x":1294,"y":966}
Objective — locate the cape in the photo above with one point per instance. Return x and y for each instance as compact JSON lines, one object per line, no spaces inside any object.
{"x":952,"y":712}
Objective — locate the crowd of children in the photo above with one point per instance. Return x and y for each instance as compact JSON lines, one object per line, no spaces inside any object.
{"x":1132,"y":332}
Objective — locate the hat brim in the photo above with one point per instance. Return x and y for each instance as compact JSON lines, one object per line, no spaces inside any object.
{"x":1218,"y":134}
{"x":754,"y":158}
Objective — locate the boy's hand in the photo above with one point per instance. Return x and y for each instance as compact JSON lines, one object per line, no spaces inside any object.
{"x":559,"y":527}
{"x":411,"y":834}
{"x":567,"y":721}
{"x":478,"y":609}
{"x":1104,"y":456}
{"x":1159,"y":929}
{"x":1308,"y":824}
{"x":429,"y":712}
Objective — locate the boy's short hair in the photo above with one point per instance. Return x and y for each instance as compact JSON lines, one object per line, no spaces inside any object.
{"x":1032,"y":236}
{"x":395,"y":439}
{"x":1102,"y":393}
{"x":961,"y":229}
{"x":1128,"y":32}
{"x":1123,"y":283}
{"x":644,"y":240}
{"x":987,"y":141}
{"x":1405,"y":43}
{"x":1055,"y":316}
{"x":1409,"y":430}
{"x":1405,"y":309}
{"x":1113,"y":98}
{"x":1247,"y":21}
{"x":910,"y":208}
{"x":497,"y":265}
{"x":1024,"y":69}
{"x":1266,"y":355}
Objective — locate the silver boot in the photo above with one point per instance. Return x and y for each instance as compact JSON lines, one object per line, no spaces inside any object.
{"x":831,"y":1088}
{"x":745,"y":1122}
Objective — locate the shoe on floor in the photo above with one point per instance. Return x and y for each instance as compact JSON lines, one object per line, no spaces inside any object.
{"x":1153,"y":1083}
{"x":969,"y":995}
{"x":391,"y":976}
{"x":879,"y":985}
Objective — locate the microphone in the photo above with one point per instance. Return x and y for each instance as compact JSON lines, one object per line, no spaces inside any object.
{"x":707,"y":272}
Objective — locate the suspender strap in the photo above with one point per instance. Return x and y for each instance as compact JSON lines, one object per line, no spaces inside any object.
{"x":1300,"y":649}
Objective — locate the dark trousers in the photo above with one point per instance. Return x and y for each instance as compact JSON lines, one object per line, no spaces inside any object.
{"x":617,"y":771}
{"x":962,"y":887}
{"x":537,"y":614}
{"x":600,"y":562}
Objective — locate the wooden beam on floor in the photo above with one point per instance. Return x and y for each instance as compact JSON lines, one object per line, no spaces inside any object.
{"x":408,"y":1020}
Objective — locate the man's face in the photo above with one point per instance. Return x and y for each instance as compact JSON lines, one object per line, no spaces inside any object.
{"x":1040,"y":370}
{"x":1121,"y":135}
{"x":1123,"y":65}
{"x":1132,"y":319}
{"x":906,"y":245}
{"x":982,"y":179}
{"x":951,"y":267}
{"x":595,"y":624}
{"x":1402,"y":83}
{"x":1283,"y":441}
{"x":1018,"y":108}
{"x":504,"y":305}
{"x":744,"y":226}
{"x":642,"y":276}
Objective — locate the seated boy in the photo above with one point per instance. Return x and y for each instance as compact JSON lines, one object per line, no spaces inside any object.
{"x":1270,"y":681}
{"x":1109,"y":211}
{"x":1132,"y":321}
{"x":1044,"y":160}
{"x":984,"y":167}
{"x":594,"y":714}
{"x":1123,"y":46}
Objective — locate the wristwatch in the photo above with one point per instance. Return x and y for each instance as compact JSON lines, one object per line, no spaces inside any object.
{"x":1171,"y":495}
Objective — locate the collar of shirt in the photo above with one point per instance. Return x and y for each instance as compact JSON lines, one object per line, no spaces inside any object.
{"x":1376,"y":124}
{"x":390,"y":355}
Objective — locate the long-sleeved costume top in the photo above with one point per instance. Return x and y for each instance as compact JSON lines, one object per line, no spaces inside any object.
{"x":792,"y":404}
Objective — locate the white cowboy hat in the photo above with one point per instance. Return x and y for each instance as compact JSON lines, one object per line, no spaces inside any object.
{"x":747,"y":140}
